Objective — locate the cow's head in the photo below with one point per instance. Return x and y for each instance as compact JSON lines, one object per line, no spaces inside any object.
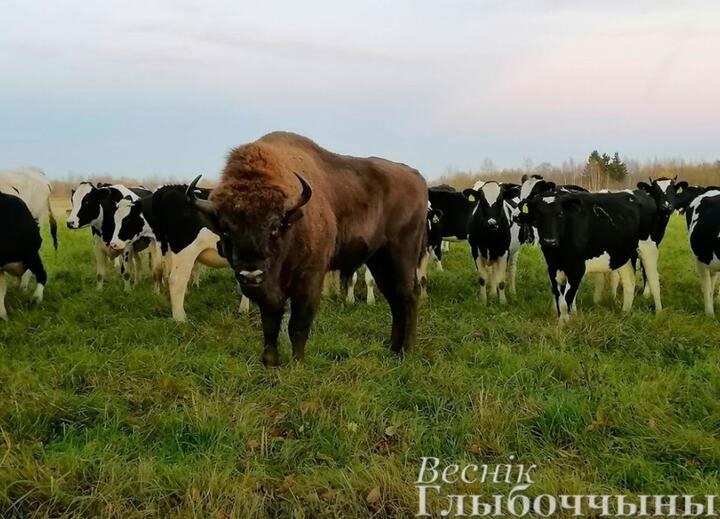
{"x":663,"y":191}
{"x":549,"y":215}
{"x":86,"y":201}
{"x":534,"y":185}
{"x":253,"y":220}
{"x":129,"y":223}
{"x":489,"y":212}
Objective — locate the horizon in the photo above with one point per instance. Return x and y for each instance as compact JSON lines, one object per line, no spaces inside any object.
{"x":166,"y":90}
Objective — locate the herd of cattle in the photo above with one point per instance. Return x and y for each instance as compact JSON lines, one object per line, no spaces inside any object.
{"x":295,"y":221}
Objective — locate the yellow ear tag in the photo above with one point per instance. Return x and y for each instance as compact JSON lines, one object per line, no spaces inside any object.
{"x":435,"y":219}
{"x":471,"y":198}
{"x":524,"y":208}
{"x":679,"y":190}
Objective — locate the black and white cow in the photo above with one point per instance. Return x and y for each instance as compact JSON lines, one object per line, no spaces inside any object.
{"x":585,"y":232}
{"x":33,"y":187}
{"x":701,"y":206}
{"x":19,"y":247}
{"x":494,"y":236}
{"x":182,"y":232}
{"x":132,"y":225}
{"x":657,"y":202}
{"x":432,"y":247}
{"x":455,"y":208}
{"x":95,"y":206}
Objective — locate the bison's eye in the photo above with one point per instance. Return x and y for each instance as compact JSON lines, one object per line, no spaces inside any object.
{"x":275,"y":230}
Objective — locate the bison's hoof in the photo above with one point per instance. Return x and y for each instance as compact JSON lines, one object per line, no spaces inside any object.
{"x":270,"y":359}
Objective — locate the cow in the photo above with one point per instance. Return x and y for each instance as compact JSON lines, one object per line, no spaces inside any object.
{"x":288,"y":211}
{"x":19,"y":247}
{"x":657,"y":201}
{"x":701,"y":207}
{"x":94,"y":206}
{"x":455,"y":208}
{"x":585,"y":232}
{"x":33,"y":187}
{"x":181,"y":231}
{"x":494,"y":236}
{"x":337,"y":283}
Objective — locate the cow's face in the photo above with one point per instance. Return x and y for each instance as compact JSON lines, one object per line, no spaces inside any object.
{"x":550,"y":215}
{"x":129,"y":224}
{"x":489,"y":212}
{"x":253,"y":226}
{"x":535,"y":185}
{"x":85,"y":200}
{"x":663,"y":191}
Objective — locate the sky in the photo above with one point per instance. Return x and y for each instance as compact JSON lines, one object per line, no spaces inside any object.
{"x":144,"y":88}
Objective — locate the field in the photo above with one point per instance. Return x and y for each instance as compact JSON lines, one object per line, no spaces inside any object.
{"x":109,"y":408}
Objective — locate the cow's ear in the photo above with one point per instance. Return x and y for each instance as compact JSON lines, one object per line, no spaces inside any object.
{"x":571,"y":205}
{"x":510,"y":192}
{"x":681,"y":187}
{"x":470,"y":194}
{"x":434,"y":215}
{"x":644,"y":186}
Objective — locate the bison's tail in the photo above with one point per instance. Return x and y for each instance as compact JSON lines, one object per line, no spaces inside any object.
{"x":53,"y":225}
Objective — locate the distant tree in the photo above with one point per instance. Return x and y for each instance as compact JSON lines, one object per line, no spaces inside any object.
{"x":488,"y":167}
{"x":600,"y":168}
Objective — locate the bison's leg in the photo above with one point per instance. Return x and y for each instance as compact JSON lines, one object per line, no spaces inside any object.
{"x":301,"y":318}
{"x":396,"y":277}
{"x":271,"y":320}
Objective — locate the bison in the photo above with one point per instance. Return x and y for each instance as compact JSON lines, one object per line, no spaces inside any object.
{"x":288,"y":211}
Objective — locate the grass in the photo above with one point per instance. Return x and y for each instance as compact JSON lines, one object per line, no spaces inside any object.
{"x":109,"y":408}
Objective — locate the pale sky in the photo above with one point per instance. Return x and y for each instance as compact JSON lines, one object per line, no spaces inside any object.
{"x":167,"y":87}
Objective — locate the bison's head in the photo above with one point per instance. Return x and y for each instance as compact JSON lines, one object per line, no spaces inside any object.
{"x":252,"y":221}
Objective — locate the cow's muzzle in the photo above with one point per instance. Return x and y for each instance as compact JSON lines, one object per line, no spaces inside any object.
{"x":550,"y":242}
{"x":117,"y":246}
{"x":72,"y":225}
{"x":250,"y":278}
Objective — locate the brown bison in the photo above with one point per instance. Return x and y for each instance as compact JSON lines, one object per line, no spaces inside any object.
{"x":288,"y":211}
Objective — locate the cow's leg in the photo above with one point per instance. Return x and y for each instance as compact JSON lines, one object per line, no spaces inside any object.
{"x":553,"y":274}
{"x":25,"y":281}
{"x":370,"y":286}
{"x":512,"y":275}
{"x":137,"y":268}
{"x":167,"y":266}
{"x":649,"y":259}
{"x":156,"y":266}
{"x":614,"y":283}
{"x":244,"y":304}
{"x":437,"y":253}
{"x":569,"y":290}
{"x":422,"y":275}
{"x":100,"y":262}
{"x":500,"y":277}
{"x":182,"y":265}
{"x":599,"y":288}
{"x":3,"y":291}
{"x":480,"y":267}
{"x":195,"y":275}
{"x":445,"y":245}
{"x":350,"y":292}
{"x":627,"y":274}
{"x":394,"y":271}
{"x":271,"y":320}
{"x":707,"y":288}
{"x":34,"y":265}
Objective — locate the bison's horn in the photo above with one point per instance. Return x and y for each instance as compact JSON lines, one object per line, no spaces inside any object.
{"x":204,"y":205}
{"x":304,"y":196}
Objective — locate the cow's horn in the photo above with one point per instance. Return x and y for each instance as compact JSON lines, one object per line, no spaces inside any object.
{"x":204,"y":205}
{"x":304,"y":196}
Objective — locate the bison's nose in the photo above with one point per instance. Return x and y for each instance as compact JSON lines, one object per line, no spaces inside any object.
{"x":246,"y":277}
{"x":550,"y":242}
